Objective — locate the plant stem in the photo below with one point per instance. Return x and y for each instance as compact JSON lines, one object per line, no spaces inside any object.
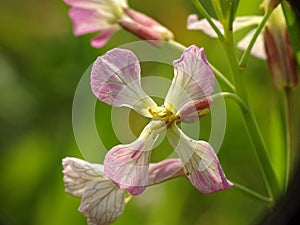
{"x":252,"y":128}
{"x":209,"y":20}
{"x":261,"y":152}
{"x":258,"y":144}
{"x":246,"y":54}
{"x":289,"y":135}
{"x":222,"y":78}
{"x":233,"y":97}
{"x":252,"y":193}
{"x":236,"y":76}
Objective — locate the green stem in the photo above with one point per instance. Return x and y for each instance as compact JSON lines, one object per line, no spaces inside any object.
{"x":209,"y":20}
{"x":246,"y":54}
{"x":252,"y":193}
{"x":258,"y":144}
{"x":233,"y":97}
{"x":289,"y":135}
{"x":261,"y":152}
{"x":222,"y":78}
{"x":252,"y":128}
{"x":236,"y":76}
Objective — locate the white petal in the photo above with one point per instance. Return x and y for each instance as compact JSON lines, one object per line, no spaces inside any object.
{"x":113,"y":7}
{"x":116,"y":80}
{"x":128,"y":165}
{"x":246,"y":21}
{"x":102,"y":202}
{"x":193,"y":23}
{"x":79,"y":173}
{"x":201,"y":164}
{"x":258,"y":49}
{"x":193,"y":79}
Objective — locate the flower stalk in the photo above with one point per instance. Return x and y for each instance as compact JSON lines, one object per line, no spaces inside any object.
{"x":246,"y":54}
{"x":290,"y":154}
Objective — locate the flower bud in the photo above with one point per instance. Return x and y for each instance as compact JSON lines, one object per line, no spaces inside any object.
{"x":144,"y":27}
{"x":271,"y":4}
{"x":195,"y":110}
{"x":280,"y":55}
{"x":165,"y":170}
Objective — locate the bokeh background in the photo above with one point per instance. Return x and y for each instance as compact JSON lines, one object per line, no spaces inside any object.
{"x":41,"y":64}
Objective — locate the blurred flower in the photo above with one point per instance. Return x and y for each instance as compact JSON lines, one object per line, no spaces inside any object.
{"x":272,"y":44}
{"x":108,"y":16}
{"x":102,"y":201}
{"x":115,"y":80}
{"x":280,"y":55}
{"x":239,"y":23}
{"x":271,"y":4}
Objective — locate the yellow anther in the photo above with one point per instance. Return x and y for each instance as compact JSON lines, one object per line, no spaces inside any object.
{"x":164,"y":114}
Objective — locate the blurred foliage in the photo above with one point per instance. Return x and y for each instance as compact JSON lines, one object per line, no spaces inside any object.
{"x":41,"y":63}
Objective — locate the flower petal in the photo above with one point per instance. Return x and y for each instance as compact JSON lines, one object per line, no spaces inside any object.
{"x":242,"y":22}
{"x":164,"y":170}
{"x":102,"y":201}
{"x":87,"y":20}
{"x":201,"y":164}
{"x":258,"y":49}
{"x":79,"y":173}
{"x":193,"y":23}
{"x":193,"y":79}
{"x":194,"y":110}
{"x":103,"y":37}
{"x":102,"y":5}
{"x":115,"y":80}
{"x":127,"y":165}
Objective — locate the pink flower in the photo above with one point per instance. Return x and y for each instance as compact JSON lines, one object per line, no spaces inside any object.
{"x":115,"y":80}
{"x":108,"y":16}
{"x":102,"y":201}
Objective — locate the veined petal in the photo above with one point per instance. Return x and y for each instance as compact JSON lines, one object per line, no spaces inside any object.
{"x":102,"y":201}
{"x":79,"y":173}
{"x":201,"y":164}
{"x":258,"y":49}
{"x":103,"y":37}
{"x":127,"y":165}
{"x":193,"y":79}
{"x":116,"y":80}
{"x":165,"y":170}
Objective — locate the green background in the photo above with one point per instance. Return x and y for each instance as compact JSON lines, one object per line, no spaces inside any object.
{"x":41,"y":64}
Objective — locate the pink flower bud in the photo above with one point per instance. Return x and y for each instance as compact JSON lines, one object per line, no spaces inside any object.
{"x":194,"y":110}
{"x":144,"y":26}
{"x":280,"y":55}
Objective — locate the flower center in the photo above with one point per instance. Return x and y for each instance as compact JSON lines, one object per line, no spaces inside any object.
{"x":164,"y":114}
